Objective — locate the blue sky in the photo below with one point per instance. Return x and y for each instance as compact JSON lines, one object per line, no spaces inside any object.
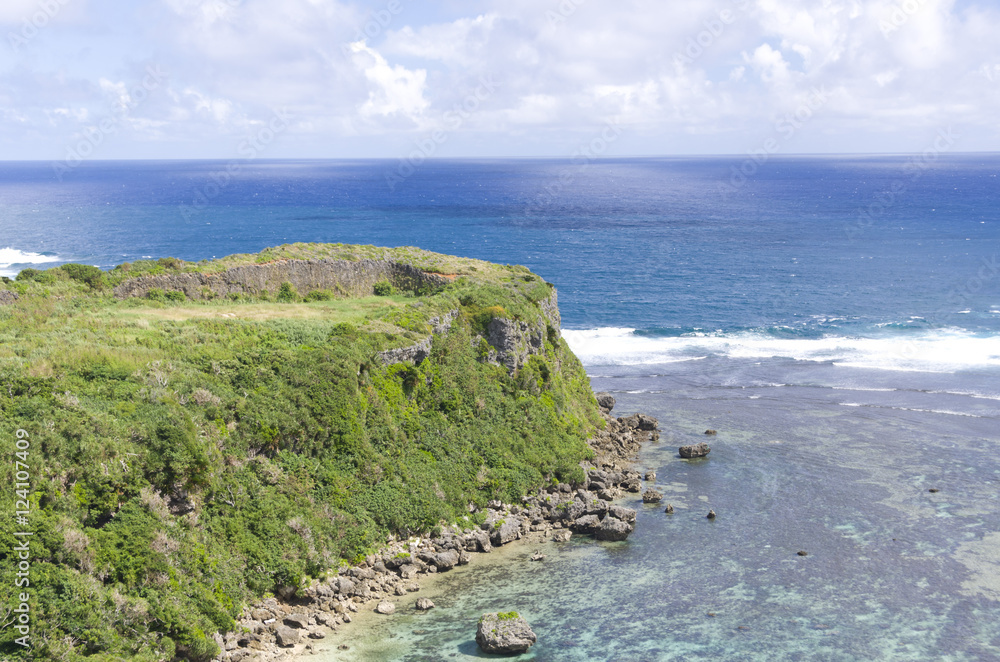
{"x":480,"y":78}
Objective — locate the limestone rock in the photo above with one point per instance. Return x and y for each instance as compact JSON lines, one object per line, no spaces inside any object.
{"x":504,"y":633}
{"x":423,"y":604}
{"x":613,"y":529}
{"x":562,"y":536}
{"x":299,"y":621}
{"x":385,"y":607}
{"x":286,"y":636}
{"x":605,"y":401}
{"x":695,"y":450}
{"x":651,"y":496}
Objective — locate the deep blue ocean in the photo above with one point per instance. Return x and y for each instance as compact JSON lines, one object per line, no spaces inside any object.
{"x":836,"y":319}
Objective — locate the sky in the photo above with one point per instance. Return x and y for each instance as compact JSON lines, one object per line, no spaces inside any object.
{"x":397,"y":79}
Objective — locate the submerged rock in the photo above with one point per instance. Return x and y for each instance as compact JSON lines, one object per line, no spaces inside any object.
{"x":711,"y":514}
{"x":504,"y":633}
{"x":695,"y":450}
{"x":710,"y":432}
{"x":670,"y":509}
{"x":650,"y":475}
{"x":537,"y":556}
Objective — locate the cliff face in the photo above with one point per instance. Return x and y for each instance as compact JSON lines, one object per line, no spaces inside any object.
{"x":347,"y":278}
{"x":7,"y":297}
{"x":512,"y":342}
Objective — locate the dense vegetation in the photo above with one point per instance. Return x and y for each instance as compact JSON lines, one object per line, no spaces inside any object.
{"x":188,"y":458}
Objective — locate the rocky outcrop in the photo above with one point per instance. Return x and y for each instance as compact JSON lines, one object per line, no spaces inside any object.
{"x":504,"y":633}
{"x":695,"y":450}
{"x":652,"y":496}
{"x":420,"y":351}
{"x":605,"y":401}
{"x":7,"y":297}
{"x":344,"y":277}
{"x":512,"y":342}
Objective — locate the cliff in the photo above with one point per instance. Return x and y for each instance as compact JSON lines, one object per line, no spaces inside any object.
{"x":205,"y":434}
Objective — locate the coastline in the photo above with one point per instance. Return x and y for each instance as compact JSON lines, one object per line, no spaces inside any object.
{"x":396,"y":577}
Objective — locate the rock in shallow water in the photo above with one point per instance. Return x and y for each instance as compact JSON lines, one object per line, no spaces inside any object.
{"x":695,"y":450}
{"x":605,"y":401}
{"x":504,"y":633}
{"x":613,"y":529}
{"x":423,"y":604}
{"x":651,"y":496}
{"x":386,"y":608}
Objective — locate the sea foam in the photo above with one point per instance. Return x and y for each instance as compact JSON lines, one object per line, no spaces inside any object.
{"x":939,"y":350}
{"x":13,"y":260}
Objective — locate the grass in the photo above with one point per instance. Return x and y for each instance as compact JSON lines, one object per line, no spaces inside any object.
{"x":188,"y":458}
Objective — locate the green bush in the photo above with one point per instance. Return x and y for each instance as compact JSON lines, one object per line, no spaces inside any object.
{"x":287,"y":293}
{"x":87,"y":274}
{"x":320,"y":295}
{"x":383,"y":288}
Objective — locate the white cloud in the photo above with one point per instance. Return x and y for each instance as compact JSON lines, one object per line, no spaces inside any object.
{"x":231,"y":63}
{"x":395,"y":89}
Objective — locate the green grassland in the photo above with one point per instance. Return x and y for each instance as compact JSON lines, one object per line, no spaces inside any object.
{"x":189,"y":457}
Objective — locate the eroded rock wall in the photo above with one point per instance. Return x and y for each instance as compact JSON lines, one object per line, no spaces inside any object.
{"x":346,"y":278}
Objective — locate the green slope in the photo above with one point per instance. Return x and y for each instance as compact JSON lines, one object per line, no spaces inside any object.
{"x":188,"y":457}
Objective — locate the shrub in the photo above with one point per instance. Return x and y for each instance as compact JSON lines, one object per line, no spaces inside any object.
{"x":85,"y":273}
{"x":320,"y":295}
{"x":287,"y":293}
{"x":383,"y":288}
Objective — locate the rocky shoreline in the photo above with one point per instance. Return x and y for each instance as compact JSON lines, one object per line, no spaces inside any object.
{"x":284,"y":629}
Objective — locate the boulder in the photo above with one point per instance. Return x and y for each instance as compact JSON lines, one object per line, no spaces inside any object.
{"x":446,"y":560}
{"x":299,"y":621}
{"x":605,"y":401}
{"x":650,"y":475}
{"x":478,"y":541}
{"x":423,"y":604}
{"x":613,"y":529}
{"x":625,"y":514}
{"x":562,"y":536}
{"x":286,"y":636}
{"x":651,"y":496}
{"x":507,"y":532}
{"x":586,"y":524}
{"x":385,"y":607}
{"x":711,"y":432}
{"x":670,"y":509}
{"x":695,"y":450}
{"x":504,"y":633}
{"x":408,"y":571}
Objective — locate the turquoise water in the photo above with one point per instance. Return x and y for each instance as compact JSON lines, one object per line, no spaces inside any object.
{"x":893,"y":571}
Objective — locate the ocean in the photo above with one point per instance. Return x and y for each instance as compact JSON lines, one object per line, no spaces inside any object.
{"x":836,"y":319}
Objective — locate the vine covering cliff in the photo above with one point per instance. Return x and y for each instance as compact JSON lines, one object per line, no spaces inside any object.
{"x":205,"y":434}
